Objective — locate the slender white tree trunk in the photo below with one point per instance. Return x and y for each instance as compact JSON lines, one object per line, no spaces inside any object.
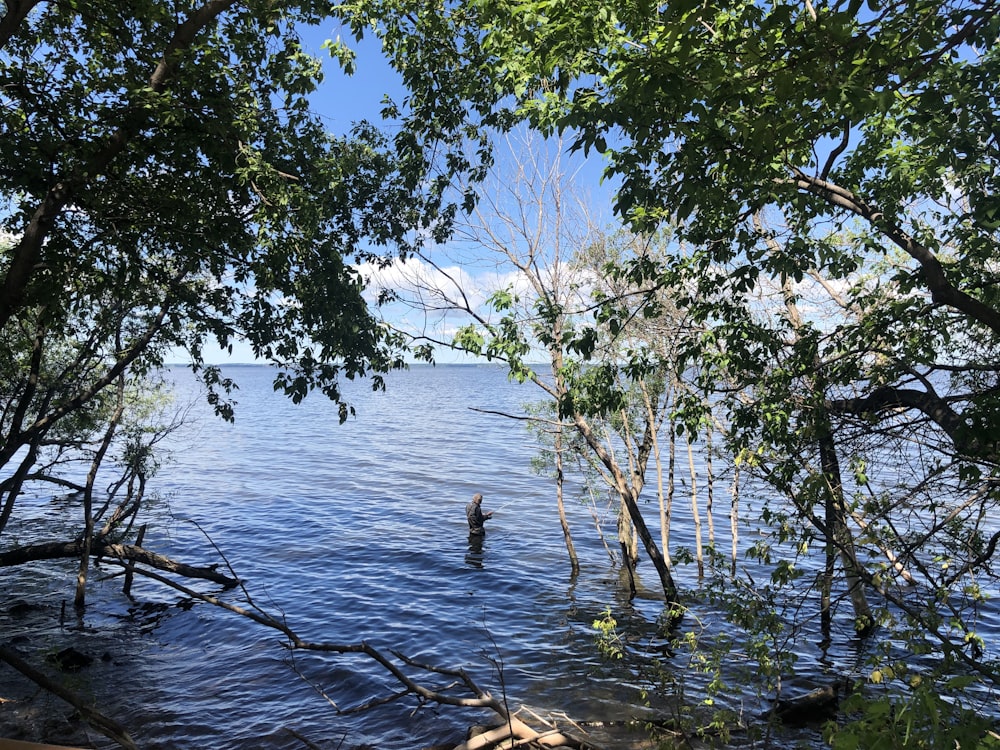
{"x":734,"y":516}
{"x":699,"y":552}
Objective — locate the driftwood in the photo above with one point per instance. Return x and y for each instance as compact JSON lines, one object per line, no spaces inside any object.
{"x":513,"y":732}
{"x":97,"y":720}
{"x":106,"y":550}
{"x":513,"y":728}
{"x":814,"y":707}
{"x":522,"y":734}
{"x":126,"y":555}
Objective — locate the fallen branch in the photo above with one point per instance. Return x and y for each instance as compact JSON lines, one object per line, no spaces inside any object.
{"x":513,"y":728}
{"x":521,"y":734}
{"x":130,"y":552}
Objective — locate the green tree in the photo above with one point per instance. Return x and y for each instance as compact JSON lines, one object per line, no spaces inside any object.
{"x":865,"y":138}
{"x":167,"y":188}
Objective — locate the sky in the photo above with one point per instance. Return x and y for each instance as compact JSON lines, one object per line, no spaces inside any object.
{"x":343,"y":100}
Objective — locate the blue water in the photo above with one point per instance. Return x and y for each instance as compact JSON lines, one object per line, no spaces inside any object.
{"x":357,"y":532}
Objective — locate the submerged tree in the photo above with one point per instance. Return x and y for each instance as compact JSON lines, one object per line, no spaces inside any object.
{"x":634,"y":366}
{"x":531,"y":226}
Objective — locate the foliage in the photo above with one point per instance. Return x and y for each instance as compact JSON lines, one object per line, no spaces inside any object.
{"x":830,"y":174}
{"x":184,"y":172}
{"x":168,"y":190}
{"x":933,"y":715}
{"x":609,"y":640}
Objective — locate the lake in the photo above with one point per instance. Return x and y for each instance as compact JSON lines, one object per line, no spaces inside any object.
{"x":354,"y":532}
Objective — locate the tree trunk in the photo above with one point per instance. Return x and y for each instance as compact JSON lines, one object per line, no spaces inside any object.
{"x":628,"y":498}
{"x":695,"y":514}
{"x":664,"y":509}
{"x":626,"y":543}
{"x":661,"y":500}
{"x":666,"y":579}
{"x":709,"y":488}
{"x":574,"y":562}
{"x":671,"y":486}
{"x":826,"y":589}
{"x":734,"y":517}
{"x":130,"y":566}
{"x":80,"y":598}
{"x":13,"y":486}
{"x":633,"y":540}
{"x":839,"y":535}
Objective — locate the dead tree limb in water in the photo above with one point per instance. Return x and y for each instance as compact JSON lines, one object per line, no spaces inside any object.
{"x":512,"y":729}
{"x":100,"y":722}
{"x":109,"y":551}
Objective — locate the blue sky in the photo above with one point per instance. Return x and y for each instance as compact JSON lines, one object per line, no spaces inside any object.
{"x":344,"y":100}
{"x":341,"y":101}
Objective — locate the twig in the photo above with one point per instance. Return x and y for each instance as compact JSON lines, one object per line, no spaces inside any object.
{"x":375,"y":702}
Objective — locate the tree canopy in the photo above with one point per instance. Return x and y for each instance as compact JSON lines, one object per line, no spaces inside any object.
{"x":168,"y":188}
{"x":167,"y":156}
{"x":841,"y":141}
{"x":837,"y":139}
{"x":829,"y":173}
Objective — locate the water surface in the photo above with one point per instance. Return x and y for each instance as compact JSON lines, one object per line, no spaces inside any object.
{"x":357,"y":532}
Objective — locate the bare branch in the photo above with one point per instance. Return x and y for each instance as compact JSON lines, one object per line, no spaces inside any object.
{"x":116,"y":552}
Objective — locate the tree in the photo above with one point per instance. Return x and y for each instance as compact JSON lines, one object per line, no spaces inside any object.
{"x":167,"y":189}
{"x":533,"y":228}
{"x":866,"y":135}
{"x":184,"y":172}
{"x":634,"y":368}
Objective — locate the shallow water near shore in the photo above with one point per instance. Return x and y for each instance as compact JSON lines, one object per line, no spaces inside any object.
{"x":352,"y":532}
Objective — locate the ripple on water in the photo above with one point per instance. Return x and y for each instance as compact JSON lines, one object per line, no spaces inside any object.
{"x":357,"y":532}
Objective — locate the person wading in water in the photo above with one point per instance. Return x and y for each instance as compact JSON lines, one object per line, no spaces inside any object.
{"x":476,"y":517}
